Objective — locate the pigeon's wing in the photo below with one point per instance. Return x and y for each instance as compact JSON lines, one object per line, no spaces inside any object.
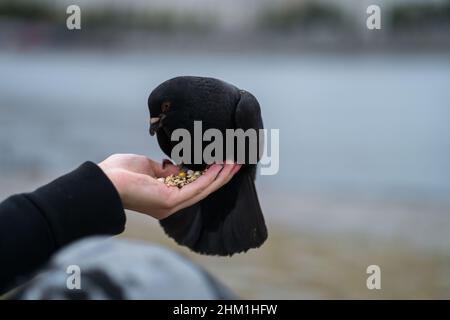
{"x":244,"y":226}
{"x":230,"y":220}
{"x":248,"y":112}
{"x":248,"y":116}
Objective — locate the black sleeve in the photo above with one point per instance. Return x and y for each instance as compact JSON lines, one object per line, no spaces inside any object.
{"x":34,"y":225}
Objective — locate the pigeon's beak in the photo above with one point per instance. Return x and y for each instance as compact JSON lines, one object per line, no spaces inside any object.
{"x":156,"y":124}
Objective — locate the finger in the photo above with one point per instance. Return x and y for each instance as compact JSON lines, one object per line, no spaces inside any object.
{"x":135,"y":163}
{"x":162,"y":170}
{"x":236,"y":168}
{"x":223,"y":178}
{"x":166,"y":162}
{"x":225,"y":175}
{"x":167,"y":170}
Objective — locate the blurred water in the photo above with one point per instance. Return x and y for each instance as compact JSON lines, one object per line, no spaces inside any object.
{"x":372,"y":124}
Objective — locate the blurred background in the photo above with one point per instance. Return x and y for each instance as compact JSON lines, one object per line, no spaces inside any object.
{"x":363,"y":116}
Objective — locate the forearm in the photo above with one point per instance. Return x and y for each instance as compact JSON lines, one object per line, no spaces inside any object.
{"x":34,"y":225}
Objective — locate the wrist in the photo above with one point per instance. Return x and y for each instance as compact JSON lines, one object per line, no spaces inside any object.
{"x":116,"y":178}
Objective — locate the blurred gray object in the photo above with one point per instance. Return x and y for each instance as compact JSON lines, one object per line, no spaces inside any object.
{"x":123,"y":269}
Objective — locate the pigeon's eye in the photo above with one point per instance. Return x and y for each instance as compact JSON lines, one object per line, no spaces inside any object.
{"x":165,"y":106}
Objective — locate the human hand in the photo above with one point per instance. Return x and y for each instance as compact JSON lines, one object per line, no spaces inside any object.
{"x":135,"y":178}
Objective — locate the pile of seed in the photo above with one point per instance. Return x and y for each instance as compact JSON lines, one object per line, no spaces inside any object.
{"x":182,"y":178}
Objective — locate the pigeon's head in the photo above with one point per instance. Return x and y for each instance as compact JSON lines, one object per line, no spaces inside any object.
{"x":172,"y":106}
{"x":161,"y":104}
{"x":190,"y":103}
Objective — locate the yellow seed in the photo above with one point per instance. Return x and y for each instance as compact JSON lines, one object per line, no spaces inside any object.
{"x":182,"y":174}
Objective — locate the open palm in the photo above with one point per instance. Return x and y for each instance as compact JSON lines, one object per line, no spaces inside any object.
{"x":135,"y":178}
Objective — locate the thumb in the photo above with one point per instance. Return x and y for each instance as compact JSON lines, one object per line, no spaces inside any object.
{"x":167,"y":168}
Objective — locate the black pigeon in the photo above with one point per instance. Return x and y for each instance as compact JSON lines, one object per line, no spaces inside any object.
{"x":229,"y":220}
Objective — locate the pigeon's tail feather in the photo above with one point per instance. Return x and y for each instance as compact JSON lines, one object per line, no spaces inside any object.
{"x":245,"y":227}
{"x":228,"y":221}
